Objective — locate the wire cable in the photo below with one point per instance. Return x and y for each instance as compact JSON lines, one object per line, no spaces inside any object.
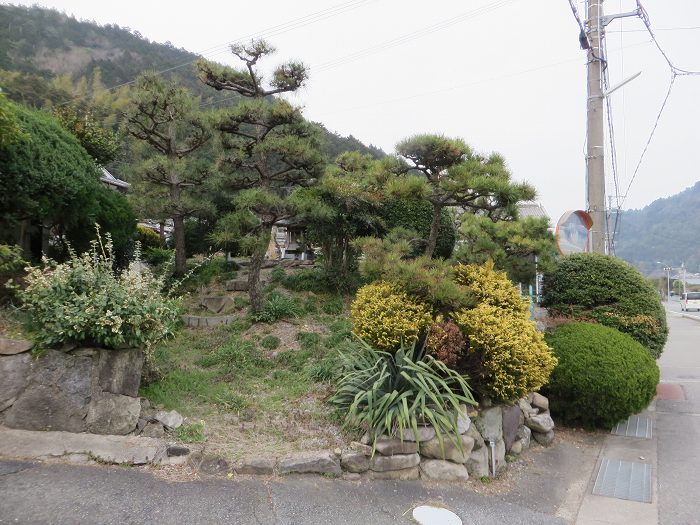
{"x":413,"y":35}
{"x":674,"y":75}
{"x":276,"y":30}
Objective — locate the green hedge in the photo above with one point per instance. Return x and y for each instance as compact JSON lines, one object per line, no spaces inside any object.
{"x":611,"y":292}
{"x":603,"y":375}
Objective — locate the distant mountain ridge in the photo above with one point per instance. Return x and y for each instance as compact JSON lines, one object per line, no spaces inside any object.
{"x":37,"y":44}
{"x":667,"y":231}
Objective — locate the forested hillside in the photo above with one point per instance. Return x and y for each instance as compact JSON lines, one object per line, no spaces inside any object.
{"x":48,"y":58}
{"x":667,"y":231}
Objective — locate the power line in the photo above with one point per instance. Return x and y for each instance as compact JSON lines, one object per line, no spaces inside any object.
{"x":407,"y":37}
{"x":276,"y":30}
{"x":645,"y":19}
{"x":651,"y":135}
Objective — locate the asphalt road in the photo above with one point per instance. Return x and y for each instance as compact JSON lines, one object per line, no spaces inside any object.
{"x":34,"y":493}
{"x":678,"y":422}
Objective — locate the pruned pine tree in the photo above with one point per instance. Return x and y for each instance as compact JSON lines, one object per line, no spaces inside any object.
{"x":451,"y":174}
{"x":346,"y":205}
{"x":269,"y":151}
{"x":167,"y":117}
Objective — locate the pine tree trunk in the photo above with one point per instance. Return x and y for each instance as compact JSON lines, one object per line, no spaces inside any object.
{"x":180,"y":253}
{"x":254,"y":287}
{"x":434,"y":227}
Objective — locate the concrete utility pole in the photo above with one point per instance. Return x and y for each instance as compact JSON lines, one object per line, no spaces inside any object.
{"x":595,"y":130}
{"x":593,"y":40}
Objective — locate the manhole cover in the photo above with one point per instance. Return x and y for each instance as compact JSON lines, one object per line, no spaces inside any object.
{"x":624,"y":480}
{"x":635,"y":426}
{"x":427,"y":515}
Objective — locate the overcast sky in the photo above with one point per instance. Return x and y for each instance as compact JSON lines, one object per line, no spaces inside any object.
{"x":504,"y":75}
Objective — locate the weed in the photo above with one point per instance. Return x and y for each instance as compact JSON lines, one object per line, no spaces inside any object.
{"x":294,"y":360}
{"x":308,"y":340}
{"x":193,"y":433}
{"x":278,"y":307}
{"x":240,"y":357}
{"x":333,"y":306}
{"x":277,"y":274}
{"x":325,"y":369}
{"x":241,"y":302}
{"x":485,"y":480}
{"x":270,"y":342}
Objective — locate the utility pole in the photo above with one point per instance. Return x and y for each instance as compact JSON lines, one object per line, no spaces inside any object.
{"x":592,"y":40}
{"x":595,"y":130}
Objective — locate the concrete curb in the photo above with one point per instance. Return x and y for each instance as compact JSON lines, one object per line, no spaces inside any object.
{"x":85,"y":448}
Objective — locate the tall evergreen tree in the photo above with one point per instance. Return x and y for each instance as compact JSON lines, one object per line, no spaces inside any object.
{"x":453,"y":175}
{"x":167,"y":117}
{"x":269,"y":150}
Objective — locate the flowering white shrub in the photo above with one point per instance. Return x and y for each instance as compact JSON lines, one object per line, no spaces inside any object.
{"x":84,"y":301}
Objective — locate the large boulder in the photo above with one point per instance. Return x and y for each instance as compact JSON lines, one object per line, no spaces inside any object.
{"x":490,"y":423}
{"x":56,"y":396}
{"x":310,"y":462}
{"x":14,"y":375}
{"x":439,"y":469}
{"x":399,"y":462}
{"x":511,"y":422}
{"x":392,"y":446}
{"x":119,"y":371}
{"x":354,"y":461}
{"x":540,"y":423}
{"x":113,"y":414}
{"x":448,"y":450}
{"x":74,"y":390}
{"x":14,"y":346}
{"x":478,"y":463}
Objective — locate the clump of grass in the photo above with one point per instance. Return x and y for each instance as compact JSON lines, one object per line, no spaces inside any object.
{"x":308,"y":340}
{"x":278,"y":307}
{"x":237,"y":357}
{"x":277,"y":274}
{"x":183,"y":390}
{"x":333,"y":306}
{"x":270,"y":342}
{"x":193,"y":433}
{"x":341,"y":330}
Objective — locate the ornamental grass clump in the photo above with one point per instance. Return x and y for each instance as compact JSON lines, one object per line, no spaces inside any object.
{"x":390,"y":393}
{"x":386,"y":317}
{"x":83,"y":301}
{"x":506,"y":355}
{"x":603,"y":376}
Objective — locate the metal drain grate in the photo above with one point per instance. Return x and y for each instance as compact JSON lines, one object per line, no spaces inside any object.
{"x":635,"y":426}
{"x":624,"y":480}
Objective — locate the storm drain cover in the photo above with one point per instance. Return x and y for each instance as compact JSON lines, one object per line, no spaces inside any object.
{"x":635,"y":426}
{"x":429,"y":515}
{"x":624,"y":480}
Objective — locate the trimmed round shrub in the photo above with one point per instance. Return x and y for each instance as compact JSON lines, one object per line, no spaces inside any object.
{"x":506,"y":357}
{"x":491,"y":287}
{"x":603,"y":375}
{"x":387,"y":318}
{"x":610,"y":291}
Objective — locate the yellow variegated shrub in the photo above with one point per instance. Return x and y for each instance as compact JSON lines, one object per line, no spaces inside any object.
{"x":507,"y":356}
{"x":492,"y":287}
{"x":385,"y":317}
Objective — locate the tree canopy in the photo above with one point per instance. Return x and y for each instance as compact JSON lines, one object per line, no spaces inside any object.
{"x":269,"y":149}
{"x":451,"y":174}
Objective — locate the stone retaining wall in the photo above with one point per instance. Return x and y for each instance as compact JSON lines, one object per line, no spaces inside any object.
{"x":79,"y":390}
{"x":488,"y":435}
